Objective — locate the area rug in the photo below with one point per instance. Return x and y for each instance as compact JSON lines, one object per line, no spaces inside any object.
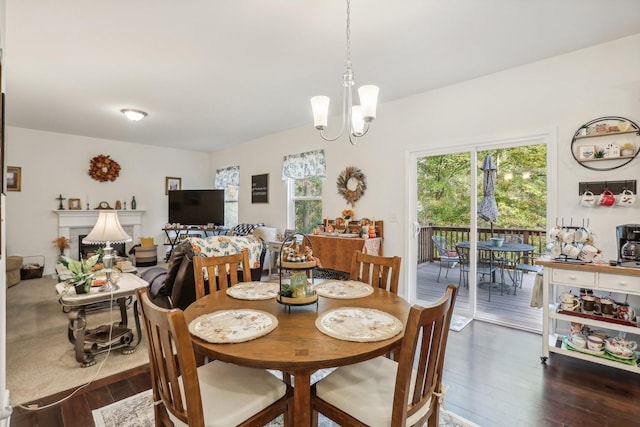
{"x":137,"y":411}
{"x":40,"y":359}
{"x":459,"y":322}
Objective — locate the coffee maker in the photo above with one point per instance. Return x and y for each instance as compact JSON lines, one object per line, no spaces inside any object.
{"x":628,"y":245}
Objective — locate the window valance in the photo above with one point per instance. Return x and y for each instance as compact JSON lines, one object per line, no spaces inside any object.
{"x":304,"y":165}
{"x":227,"y":176}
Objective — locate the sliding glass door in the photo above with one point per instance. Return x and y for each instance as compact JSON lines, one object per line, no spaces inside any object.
{"x":458,"y":204}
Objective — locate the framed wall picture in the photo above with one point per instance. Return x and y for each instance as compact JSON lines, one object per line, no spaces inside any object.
{"x":172,"y":183}
{"x":586,"y":152}
{"x":260,"y":188}
{"x":14,"y":178}
{"x":74,"y":204}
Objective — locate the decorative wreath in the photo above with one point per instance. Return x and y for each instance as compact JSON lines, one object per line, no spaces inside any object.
{"x":351,"y":196}
{"x":103,"y":168}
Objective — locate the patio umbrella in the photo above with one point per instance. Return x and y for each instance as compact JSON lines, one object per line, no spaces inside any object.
{"x":488,"y":209}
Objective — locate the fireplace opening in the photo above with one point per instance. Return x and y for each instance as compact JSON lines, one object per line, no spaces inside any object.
{"x":86,"y":250}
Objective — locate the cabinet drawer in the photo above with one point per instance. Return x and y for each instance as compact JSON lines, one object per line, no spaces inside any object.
{"x":619,"y":282}
{"x":582,"y":279}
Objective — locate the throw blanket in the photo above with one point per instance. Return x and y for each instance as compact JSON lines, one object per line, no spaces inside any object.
{"x":229,"y":245}
{"x":156,"y":277}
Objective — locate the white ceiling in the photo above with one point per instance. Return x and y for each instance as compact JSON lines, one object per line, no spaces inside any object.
{"x":214,"y":73}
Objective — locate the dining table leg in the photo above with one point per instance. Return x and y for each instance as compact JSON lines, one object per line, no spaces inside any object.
{"x":302,"y":398}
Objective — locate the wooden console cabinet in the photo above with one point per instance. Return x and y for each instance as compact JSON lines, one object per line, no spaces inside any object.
{"x":336,"y":252}
{"x":602,"y":279}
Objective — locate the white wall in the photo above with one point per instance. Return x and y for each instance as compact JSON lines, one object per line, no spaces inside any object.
{"x":558,"y":93}
{"x":54,"y":164}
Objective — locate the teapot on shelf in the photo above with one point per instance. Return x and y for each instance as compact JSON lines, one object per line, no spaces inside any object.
{"x":620,"y":347}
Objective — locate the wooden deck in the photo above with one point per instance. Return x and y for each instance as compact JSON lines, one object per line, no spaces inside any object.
{"x":507,"y":309}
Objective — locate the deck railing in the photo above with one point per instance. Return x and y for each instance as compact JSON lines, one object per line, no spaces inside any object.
{"x":427,"y":250}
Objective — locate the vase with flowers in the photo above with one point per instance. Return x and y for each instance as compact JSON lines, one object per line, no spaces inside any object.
{"x":82,"y":271}
{"x":347,"y":214}
{"x":61,"y":243}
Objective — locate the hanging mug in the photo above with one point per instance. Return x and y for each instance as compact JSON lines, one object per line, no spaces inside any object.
{"x":553,"y":233}
{"x":588,"y":199}
{"x":582,"y":235}
{"x":626,"y":198}
{"x":607,"y":198}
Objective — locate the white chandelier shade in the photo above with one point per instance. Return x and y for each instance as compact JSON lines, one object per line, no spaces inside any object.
{"x":355,"y":118}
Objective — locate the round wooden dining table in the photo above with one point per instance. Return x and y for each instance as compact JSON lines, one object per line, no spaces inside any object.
{"x":296,"y":346}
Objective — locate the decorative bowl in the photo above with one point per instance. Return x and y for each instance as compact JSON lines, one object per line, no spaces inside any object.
{"x":497,"y":241}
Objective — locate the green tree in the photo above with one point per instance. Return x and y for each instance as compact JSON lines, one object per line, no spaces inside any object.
{"x":520,"y":188}
{"x":308,"y":203}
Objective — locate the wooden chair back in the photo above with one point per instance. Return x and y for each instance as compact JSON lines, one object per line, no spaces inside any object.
{"x":171,"y":357}
{"x":378,"y":271}
{"x":220,"y":272}
{"x":423,"y":351}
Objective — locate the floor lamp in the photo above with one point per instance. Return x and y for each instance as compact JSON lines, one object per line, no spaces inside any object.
{"x":107,"y":230}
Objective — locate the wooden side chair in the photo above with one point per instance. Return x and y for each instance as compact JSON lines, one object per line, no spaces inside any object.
{"x":214,"y":394}
{"x":383,"y":392}
{"x":219,"y":270}
{"x":378,"y":271}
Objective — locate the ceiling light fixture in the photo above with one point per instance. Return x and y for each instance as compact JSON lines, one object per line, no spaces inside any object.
{"x":356,"y":117}
{"x":133,"y":115}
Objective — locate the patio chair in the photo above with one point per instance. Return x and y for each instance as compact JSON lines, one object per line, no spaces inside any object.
{"x":507,"y":260}
{"x":523,"y":265}
{"x":448,"y":255}
{"x":216,"y":393}
{"x":384,"y":392}
{"x":482,"y":268}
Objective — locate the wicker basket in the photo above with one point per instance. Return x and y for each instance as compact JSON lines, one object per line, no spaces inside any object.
{"x":32,"y":267}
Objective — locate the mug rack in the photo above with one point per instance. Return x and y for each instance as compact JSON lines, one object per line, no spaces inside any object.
{"x":585,"y":223}
{"x":616,"y":187}
{"x":564,"y":257}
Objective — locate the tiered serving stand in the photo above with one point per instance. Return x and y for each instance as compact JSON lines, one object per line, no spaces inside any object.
{"x":296,"y":267}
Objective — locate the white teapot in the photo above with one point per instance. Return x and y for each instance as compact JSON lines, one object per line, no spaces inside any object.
{"x":619,"y":346}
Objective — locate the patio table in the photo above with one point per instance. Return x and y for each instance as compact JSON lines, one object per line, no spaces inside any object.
{"x":506,"y":247}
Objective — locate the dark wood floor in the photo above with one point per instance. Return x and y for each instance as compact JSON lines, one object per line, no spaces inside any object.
{"x":494,"y":375}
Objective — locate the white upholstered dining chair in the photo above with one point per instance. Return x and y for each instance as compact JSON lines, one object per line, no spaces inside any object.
{"x":383,"y":392}
{"x":214,"y":394}
{"x":378,"y":271}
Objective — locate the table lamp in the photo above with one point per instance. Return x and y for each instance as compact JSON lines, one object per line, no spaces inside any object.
{"x":107,"y":230}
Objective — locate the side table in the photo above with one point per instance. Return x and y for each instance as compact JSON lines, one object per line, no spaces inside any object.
{"x":89,"y":342}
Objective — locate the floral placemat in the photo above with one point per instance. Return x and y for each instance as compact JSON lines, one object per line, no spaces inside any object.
{"x":253,"y":290}
{"x":344,"y":289}
{"x":232,"y":326}
{"x":359,"y":324}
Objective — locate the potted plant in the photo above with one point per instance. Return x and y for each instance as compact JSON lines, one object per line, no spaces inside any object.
{"x":82,"y":271}
{"x":61,"y":243}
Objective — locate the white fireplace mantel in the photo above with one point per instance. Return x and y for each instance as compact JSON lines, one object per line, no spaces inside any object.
{"x":70,"y":219}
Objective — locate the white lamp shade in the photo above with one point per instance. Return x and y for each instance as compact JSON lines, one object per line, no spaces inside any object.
{"x":357,"y":122}
{"x":107,"y":230}
{"x":320,"y":106}
{"x":368,"y":99}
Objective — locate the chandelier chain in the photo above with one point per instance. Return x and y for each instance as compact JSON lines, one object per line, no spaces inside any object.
{"x":348,"y":31}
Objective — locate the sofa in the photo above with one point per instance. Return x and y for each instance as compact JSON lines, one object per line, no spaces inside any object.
{"x":174,"y":286}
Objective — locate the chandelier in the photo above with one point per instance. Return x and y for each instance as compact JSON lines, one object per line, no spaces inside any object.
{"x":354,"y":117}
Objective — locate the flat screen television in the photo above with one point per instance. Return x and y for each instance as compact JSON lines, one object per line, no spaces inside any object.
{"x":196,"y":207}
